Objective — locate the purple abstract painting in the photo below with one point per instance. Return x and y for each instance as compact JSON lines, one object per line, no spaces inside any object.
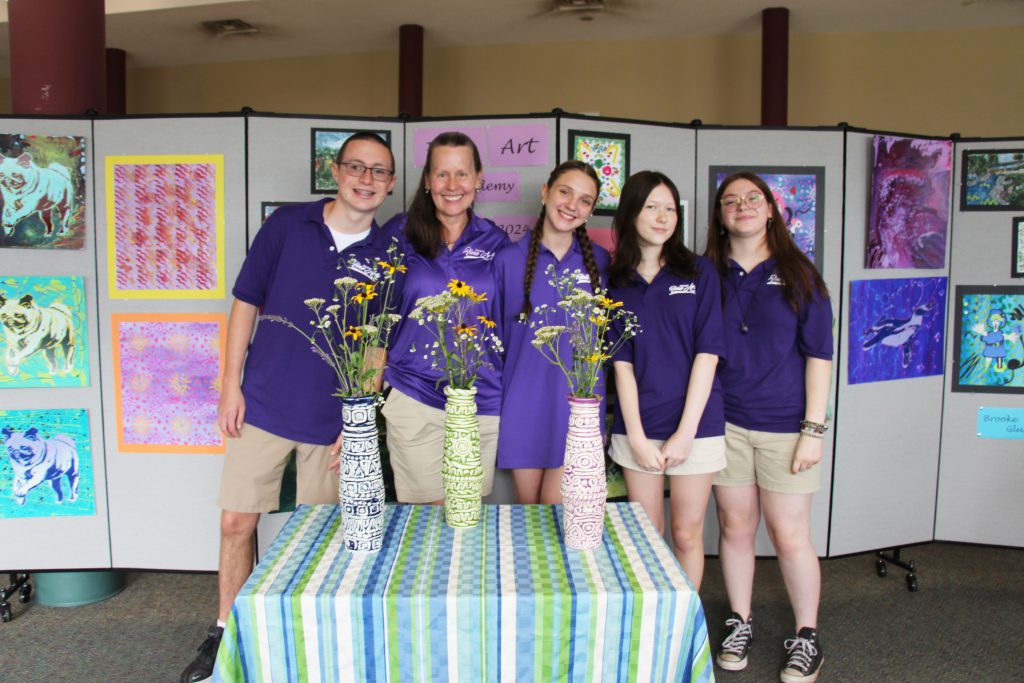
{"x":897,"y":329}
{"x":909,"y":203}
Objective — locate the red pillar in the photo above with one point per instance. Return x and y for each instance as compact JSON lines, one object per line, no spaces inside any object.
{"x":58,"y":61}
{"x":410,"y":70}
{"x":117,"y":101}
{"x":774,"y":66}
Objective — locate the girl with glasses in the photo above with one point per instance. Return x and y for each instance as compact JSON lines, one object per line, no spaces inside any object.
{"x":778,"y":339}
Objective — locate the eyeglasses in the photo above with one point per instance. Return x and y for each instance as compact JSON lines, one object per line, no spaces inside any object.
{"x":356,"y":170}
{"x":731,"y":202}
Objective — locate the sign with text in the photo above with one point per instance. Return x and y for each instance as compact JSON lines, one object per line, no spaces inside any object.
{"x":518,"y":145}
{"x":516,"y":227}
{"x":1001,"y":423}
{"x":499,"y":186}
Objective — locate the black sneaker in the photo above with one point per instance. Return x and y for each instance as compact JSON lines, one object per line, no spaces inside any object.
{"x":733,"y":654}
{"x":201,"y":667}
{"x":803,"y":657}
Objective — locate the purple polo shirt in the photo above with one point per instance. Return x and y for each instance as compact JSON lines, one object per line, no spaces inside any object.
{"x":534,"y":410}
{"x":288,"y":389}
{"x":679,"y":318}
{"x":763,"y":376}
{"x":470,"y":260}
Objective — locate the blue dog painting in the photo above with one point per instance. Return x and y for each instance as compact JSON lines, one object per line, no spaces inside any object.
{"x":46,"y":469}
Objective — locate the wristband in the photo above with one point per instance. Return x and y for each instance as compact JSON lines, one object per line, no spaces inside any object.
{"x":813,"y":428}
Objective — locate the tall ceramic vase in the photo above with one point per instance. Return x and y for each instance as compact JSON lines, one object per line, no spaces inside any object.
{"x":461,"y":470}
{"x":361,"y":485}
{"x":584,"y":486}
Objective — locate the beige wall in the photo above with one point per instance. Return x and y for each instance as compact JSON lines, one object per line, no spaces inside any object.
{"x":927,"y":82}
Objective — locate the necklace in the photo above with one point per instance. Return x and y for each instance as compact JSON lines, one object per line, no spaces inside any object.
{"x":744,"y":328}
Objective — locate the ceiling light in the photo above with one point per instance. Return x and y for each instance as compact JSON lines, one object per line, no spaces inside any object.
{"x":229,"y":27}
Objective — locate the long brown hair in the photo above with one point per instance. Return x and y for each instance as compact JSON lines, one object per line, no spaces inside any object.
{"x":678,"y":259}
{"x":800,"y":279}
{"x":423,"y":229}
{"x":580,"y":232}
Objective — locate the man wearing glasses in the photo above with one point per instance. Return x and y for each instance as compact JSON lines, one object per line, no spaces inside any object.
{"x":286,"y":401}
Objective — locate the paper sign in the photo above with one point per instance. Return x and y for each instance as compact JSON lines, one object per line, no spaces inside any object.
{"x":422,"y":138}
{"x":502,"y":186}
{"x":516,"y":227}
{"x":1001,"y":423}
{"x":519,"y":145}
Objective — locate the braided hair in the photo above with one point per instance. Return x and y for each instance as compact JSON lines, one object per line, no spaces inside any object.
{"x":580,"y":233}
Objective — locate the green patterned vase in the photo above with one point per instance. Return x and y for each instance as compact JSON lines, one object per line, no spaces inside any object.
{"x":461,"y":471}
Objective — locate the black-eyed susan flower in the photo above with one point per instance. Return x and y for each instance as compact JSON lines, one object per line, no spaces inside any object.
{"x":464,"y":329}
{"x":460,"y":288}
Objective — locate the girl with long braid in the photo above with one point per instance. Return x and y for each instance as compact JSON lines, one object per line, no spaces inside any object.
{"x":534,"y":411}
{"x":669,"y":421}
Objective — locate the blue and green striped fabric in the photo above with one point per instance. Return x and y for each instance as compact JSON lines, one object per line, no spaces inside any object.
{"x":505,"y":601}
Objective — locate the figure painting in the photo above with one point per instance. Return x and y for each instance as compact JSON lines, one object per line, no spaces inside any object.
{"x":909,"y":203}
{"x":42,"y":185}
{"x":165,"y":226}
{"x":897,"y":329}
{"x":989,"y":353}
{"x":167,"y":374}
{"x":45,"y":340}
{"x":46,"y":467}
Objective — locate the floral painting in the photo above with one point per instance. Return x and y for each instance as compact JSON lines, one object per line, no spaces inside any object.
{"x":167,"y":374}
{"x":42,"y":185}
{"x":989,"y":354}
{"x":46,"y":467}
{"x":909,"y":203}
{"x":608,"y":153}
{"x":897,"y":329}
{"x":46,"y":337}
{"x":165,"y":226}
{"x":992,"y":180}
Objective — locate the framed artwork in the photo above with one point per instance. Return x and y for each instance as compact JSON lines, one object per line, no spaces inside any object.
{"x":42,"y":185}
{"x":324,"y":146}
{"x":897,"y":329}
{"x":47,"y":469}
{"x":167,"y":374}
{"x":608,"y":153}
{"x":992,"y":180}
{"x":165,"y":226}
{"x":800,"y":193}
{"x":1017,"y":252}
{"x":267,"y":208}
{"x":46,"y":335}
{"x":909,"y":203}
{"x":988,"y":353}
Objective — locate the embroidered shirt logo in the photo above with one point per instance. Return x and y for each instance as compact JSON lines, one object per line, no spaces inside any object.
{"x":364,"y":269}
{"x":774,"y":279}
{"x":471,"y":253}
{"x":583,"y":278}
{"x":683,"y":289}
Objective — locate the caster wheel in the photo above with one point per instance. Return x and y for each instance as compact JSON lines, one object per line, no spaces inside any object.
{"x":25,"y":594}
{"x":5,"y":614}
{"x":911,"y":583}
{"x":880,"y":568}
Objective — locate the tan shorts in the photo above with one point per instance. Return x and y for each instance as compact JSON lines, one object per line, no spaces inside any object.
{"x":765,"y":459}
{"x":416,"y":445}
{"x":707,"y":455}
{"x":253,"y":468}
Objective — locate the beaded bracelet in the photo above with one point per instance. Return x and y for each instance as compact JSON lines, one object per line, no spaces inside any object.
{"x":809,"y":428}
{"x":813,"y":435}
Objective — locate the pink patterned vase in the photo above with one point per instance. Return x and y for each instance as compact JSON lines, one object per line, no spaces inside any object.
{"x":584,"y":486}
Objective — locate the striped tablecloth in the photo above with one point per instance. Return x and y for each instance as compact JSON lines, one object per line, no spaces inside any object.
{"x":506,"y":601}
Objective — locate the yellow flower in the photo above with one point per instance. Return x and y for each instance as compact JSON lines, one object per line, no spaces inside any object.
{"x":487,"y":322}
{"x":358,"y":298}
{"x":354,"y":332}
{"x":609,"y":303}
{"x":401,"y":269}
{"x":598,"y":319}
{"x":462,"y":328}
{"x":387,"y":266}
{"x":460,"y":288}
{"x":477,"y":298}
{"x":596,"y":357}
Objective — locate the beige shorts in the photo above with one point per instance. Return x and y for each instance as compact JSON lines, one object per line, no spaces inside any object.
{"x":416,"y":445}
{"x":708,"y":455}
{"x":253,"y":468}
{"x":765,"y":459}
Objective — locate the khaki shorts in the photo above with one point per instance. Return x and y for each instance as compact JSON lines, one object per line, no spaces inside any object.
{"x":707,"y":455}
{"x":253,"y":468}
{"x":765,"y":459}
{"x":416,"y":445}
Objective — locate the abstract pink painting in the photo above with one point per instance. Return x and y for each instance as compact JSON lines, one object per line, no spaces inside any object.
{"x":167,"y":374}
{"x":165,"y":226}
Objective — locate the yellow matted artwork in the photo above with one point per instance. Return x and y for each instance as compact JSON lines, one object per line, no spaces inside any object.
{"x":165,"y":226}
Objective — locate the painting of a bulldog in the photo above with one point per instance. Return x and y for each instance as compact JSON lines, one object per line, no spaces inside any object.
{"x":31,"y":329}
{"x":28,"y":189}
{"x":36,"y":460}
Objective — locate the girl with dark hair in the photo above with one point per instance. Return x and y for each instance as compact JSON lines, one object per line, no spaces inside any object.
{"x":443,"y":240}
{"x":778,"y":338}
{"x":668,"y":419}
{"x":534,"y":411}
